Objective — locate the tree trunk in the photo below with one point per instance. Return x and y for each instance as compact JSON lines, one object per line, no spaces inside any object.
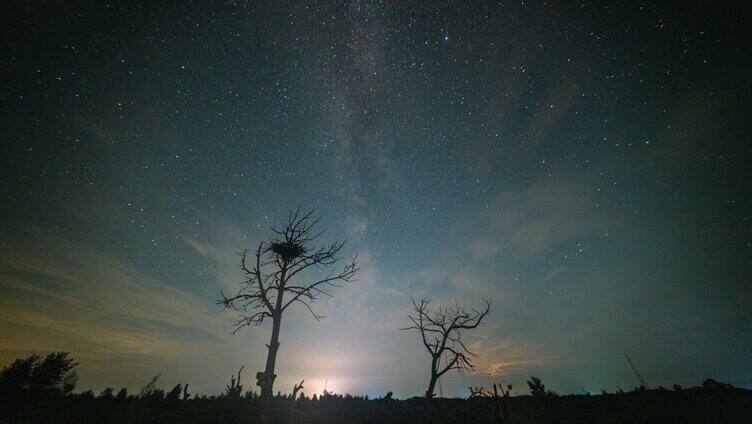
{"x":267,"y":383}
{"x":434,"y":378}
{"x":266,"y":379}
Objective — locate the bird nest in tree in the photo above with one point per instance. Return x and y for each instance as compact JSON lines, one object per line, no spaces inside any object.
{"x":287,"y":250}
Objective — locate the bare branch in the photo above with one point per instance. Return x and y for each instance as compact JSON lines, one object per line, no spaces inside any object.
{"x":270,"y":277}
{"x":333,"y":279}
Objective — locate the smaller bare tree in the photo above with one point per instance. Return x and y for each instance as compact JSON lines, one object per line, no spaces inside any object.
{"x":441,"y":332}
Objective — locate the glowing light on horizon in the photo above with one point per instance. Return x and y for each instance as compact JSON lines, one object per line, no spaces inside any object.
{"x":317,"y":385}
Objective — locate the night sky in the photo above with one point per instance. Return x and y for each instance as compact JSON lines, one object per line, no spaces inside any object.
{"x":584,"y":166}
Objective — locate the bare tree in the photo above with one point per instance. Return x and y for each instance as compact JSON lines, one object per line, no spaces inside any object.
{"x":270,"y":283}
{"x":441,"y":332}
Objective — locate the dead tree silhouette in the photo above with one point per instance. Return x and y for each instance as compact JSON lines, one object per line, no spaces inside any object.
{"x":380,"y":404}
{"x":500,"y":397}
{"x":294,"y":398}
{"x":441,"y":332}
{"x":270,"y":285}
{"x":235,"y":389}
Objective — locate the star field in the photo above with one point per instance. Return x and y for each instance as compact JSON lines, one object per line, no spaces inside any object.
{"x":582,"y":165}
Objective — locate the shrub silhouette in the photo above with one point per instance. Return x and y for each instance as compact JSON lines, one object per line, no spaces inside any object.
{"x":712,"y":384}
{"x":150,"y":387}
{"x":537,"y":388}
{"x":55,"y":372}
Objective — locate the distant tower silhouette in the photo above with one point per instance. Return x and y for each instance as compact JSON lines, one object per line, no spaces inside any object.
{"x":637,"y":373}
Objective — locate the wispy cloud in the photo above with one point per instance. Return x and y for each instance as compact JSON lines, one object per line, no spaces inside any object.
{"x":82,"y":277}
{"x":522,"y":224}
{"x":506,"y":358}
{"x":74,"y":298}
{"x":546,"y":213}
{"x":224,"y":259}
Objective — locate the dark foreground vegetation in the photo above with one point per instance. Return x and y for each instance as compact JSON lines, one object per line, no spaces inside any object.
{"x":40,"y":390}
